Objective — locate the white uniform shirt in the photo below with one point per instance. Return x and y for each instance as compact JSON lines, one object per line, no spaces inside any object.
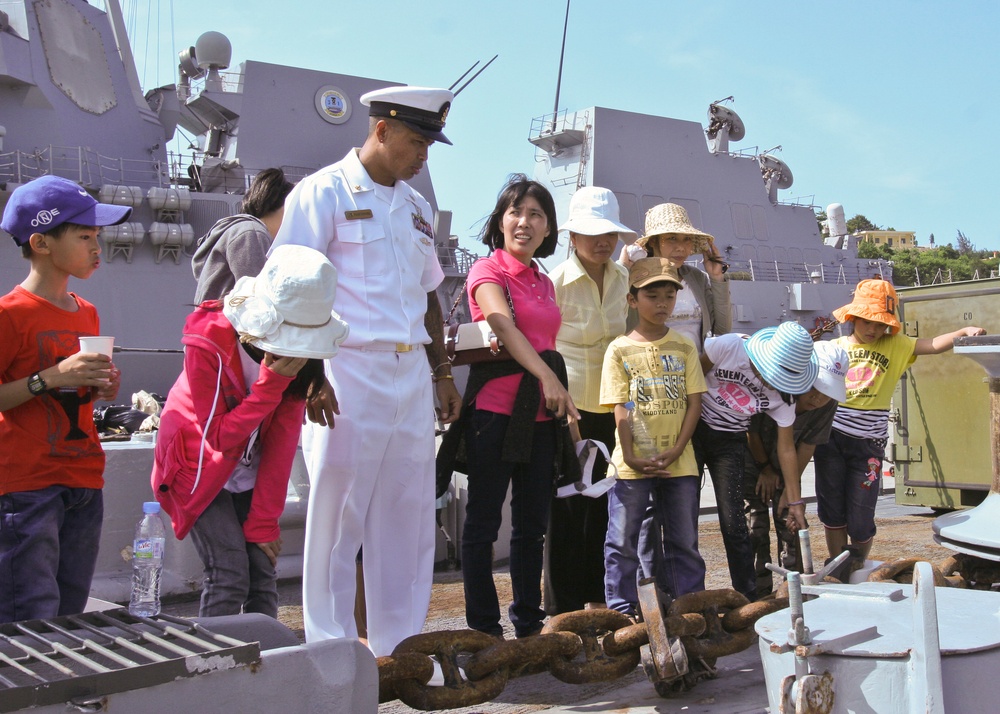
{"x":383,"y":251}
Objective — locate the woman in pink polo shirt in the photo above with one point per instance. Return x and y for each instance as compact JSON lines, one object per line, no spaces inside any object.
{"x":520,"y":409}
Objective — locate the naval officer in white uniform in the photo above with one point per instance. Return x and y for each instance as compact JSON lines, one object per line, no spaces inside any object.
{"x":372,"y":476}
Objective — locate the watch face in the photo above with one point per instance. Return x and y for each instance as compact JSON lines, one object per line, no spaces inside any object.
{"x":36,"y":385}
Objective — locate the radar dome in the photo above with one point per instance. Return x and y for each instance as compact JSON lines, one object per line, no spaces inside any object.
{"x":835,"y":220}
{"x":213,"y":50}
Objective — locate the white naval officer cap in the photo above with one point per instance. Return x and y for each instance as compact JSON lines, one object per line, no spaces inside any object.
{"x":423,"y":109}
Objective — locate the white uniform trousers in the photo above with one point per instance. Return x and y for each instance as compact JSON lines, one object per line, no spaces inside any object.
{"x":372,"y":484}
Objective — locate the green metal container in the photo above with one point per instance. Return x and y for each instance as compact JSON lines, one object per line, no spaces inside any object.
{"x":941,"y":436}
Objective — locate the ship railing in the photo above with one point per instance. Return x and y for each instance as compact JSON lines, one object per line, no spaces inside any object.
{"x":80,"y":164}
{"x":747,"y":152}
{"x":563,"y":120}
{"x":230,"y":82}
{"x":454,"y":259}
{"x":801,"y":202}
{"x":789,"y":272}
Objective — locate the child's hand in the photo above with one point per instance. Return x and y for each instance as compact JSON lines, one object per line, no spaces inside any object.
{"x":110,"y":391}
{"x":285,"y":366}
{"x":647,"y":467}
{"x":668,"y":457}
{"x":972,"y":331}
{"x":796,"y":520}
{"x":767,"y":484}
{"x":83,"y":369}
{"x":271,"y":550}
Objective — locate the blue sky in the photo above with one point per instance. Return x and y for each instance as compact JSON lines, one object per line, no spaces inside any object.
{"x":888,"y":107}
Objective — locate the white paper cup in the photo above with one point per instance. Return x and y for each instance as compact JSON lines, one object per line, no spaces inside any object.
{"x":101,"y":345}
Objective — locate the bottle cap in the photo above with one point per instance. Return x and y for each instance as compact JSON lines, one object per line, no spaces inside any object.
{"x":629,"y":405}
{"x":151,"y":507}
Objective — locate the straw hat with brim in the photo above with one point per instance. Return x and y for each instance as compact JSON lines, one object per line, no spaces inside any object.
{"x":593,"y":211}
{"x":784,"y":357}
{"x":671,"y":219}
{"x":287,"y":310}
{"x":875,"y":301}
{"x":833,"y":362}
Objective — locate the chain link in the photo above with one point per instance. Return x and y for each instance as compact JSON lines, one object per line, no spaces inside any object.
{"x":602,"y":645}
{"x":576,"y":647}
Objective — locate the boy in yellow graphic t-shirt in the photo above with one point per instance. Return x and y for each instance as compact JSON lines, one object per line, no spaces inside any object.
{"x":656,"y":372}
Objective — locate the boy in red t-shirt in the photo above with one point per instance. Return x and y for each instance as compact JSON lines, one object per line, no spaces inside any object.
{"x":51,"y":461}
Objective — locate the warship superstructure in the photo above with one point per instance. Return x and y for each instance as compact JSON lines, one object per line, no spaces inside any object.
{"x":781,"y":266}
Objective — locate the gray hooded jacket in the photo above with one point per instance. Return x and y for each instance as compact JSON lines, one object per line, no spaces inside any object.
{"x":235,"y":246}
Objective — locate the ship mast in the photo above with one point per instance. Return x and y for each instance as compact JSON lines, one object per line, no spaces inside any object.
{"x":562,"y":54}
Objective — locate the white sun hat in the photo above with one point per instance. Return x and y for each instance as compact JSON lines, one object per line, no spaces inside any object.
{"x":593,"y":211}
{"x":833,"y":362}
{"x":287,"y":310}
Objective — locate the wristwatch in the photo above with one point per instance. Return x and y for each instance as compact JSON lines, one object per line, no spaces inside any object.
{"x":761,"y":465}
{"x":36,"y":385}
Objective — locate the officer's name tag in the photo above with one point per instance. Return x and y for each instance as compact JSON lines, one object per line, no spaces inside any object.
{"x":357,"y":215}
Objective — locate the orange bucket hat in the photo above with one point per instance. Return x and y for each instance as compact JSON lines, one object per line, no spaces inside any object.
{"x":875,"y":301}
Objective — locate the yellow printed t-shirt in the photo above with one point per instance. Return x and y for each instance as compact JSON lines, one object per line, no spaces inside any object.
{"x":875,"y":368}
{"x":658,"y":377}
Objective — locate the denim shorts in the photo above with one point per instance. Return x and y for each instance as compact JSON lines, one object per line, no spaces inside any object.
{"x":848,"y":481}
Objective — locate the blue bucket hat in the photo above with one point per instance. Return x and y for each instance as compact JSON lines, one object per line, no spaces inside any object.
{"x":784,"y":356}
{"x":49,"y":201}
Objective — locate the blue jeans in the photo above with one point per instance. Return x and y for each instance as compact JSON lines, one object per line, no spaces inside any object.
{"x":722,"y":452}
{"x":489,"y":478}
{"x":49,"y":540}
{"x":239,"y":576}
{"x":675,"y":515}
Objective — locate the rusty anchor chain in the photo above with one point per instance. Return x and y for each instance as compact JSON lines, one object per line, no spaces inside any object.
{"x":677,"y":642}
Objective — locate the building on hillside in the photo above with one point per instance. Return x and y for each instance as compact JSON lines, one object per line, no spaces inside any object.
{"x":897,"y":240}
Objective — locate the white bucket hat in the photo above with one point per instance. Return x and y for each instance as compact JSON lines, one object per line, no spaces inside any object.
{"x":593,"y":211}
{"x":784,"y":356}
{"x":833,"y":362}
{"x":287,"y":310}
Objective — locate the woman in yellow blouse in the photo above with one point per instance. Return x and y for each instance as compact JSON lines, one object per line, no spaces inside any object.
{"x":590,"y":289}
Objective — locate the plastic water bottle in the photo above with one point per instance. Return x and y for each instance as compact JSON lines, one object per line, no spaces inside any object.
{"x":147,"y":562}
{"x":643,"y":443}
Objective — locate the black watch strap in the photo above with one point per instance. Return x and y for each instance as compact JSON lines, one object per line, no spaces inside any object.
{"x":761,"y":465}
{"x":36,"y":385}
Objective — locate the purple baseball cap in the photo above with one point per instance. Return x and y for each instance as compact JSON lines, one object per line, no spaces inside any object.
{"x":49,"y":201}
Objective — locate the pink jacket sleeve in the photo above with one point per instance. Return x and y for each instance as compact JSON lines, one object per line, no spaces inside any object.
{"x":277,"y":452}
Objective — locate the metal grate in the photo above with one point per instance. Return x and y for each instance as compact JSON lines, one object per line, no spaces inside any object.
{"x":80,"y":658}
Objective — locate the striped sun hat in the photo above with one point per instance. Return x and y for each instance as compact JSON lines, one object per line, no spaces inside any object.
{"x":784,"y":356}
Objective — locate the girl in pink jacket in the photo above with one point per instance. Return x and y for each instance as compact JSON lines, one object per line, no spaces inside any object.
{"x":230,"y":426}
